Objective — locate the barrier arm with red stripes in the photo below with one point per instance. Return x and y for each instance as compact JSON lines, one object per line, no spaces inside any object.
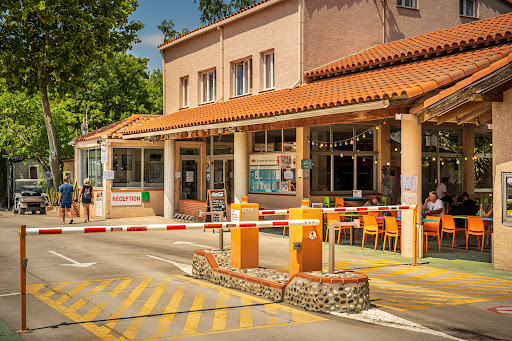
{"x":346,"y":209}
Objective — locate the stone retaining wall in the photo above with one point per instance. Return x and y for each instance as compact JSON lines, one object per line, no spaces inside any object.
{"x":343,"y":291}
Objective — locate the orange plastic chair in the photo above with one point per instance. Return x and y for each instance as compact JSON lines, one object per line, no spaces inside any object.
{"x":284,"y":227}
{"x":371,"y":228}
{"x":391,"y":231}
{"x":335,"y":218}
{"x":339,"y":202}
{"x":476,"y":227}
{"x":448,"y":226}
{"x":432,"y":229}
{"x":380,"y":222}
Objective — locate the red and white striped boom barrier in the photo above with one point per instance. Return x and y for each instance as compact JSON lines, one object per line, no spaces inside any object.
{"x":170,"y":227}
{"x":346,"y":209}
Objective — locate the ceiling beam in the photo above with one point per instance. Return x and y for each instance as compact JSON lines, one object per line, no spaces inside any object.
{"x":458,"y":111}
{"x":480,"y":97}
{"x":484,"y":118}
{"x":476,"y":111}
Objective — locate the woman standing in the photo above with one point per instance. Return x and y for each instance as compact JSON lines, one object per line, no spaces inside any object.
{"x":85,"y":196}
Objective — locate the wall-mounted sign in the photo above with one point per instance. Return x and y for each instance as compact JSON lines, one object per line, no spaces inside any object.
{"x":108,"y":175}
{"x":99,"y":203}
{"x":306,"y":164}
{"x":126,"y":199}
{"x":104,"y":152}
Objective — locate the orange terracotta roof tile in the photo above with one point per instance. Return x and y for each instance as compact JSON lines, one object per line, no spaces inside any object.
{"x":213,"y":23}
{"x":115,"y":130}
{"x":408,"y":79}
{"x":425,"y":44}
{"x":484,"y":71}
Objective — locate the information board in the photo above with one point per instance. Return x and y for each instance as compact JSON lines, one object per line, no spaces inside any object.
{"x":272,"y":173}
{"x":216,"y":202}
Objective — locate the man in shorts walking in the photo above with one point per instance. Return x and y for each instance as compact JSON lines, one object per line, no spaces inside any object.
{"x":66,"y":199}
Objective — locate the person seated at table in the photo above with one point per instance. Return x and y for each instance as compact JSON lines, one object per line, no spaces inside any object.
{"x":433,"y":206}
{"x":375,"y":201}
{"x":469,"y":206}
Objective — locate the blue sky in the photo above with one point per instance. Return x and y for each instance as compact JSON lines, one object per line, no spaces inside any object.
{"x":151,"y":13}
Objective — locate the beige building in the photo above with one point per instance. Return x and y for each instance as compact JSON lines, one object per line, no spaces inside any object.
{"x":250,"y":118}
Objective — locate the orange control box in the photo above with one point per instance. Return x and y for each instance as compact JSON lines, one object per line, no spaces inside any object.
{"x":244,"y":241}
{"x":305,"y":242}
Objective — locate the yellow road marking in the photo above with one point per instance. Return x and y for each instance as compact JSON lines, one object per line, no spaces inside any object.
{"x":166,"y":319}
{"x":220,"y":316}
{"x":193,"y":311}
{"x":120,"y":287}
{"x":52,"y":291}
{"x":146,"y":309}
{"x":195,"y":315}
{"x":127,"y":303}
{"x":245,"y":314}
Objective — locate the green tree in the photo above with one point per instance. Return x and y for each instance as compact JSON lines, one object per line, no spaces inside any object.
{"x":167,"y":28}
{"x":47,"y":46}
{"x":213,"y":10}
{"x":116,"y":89}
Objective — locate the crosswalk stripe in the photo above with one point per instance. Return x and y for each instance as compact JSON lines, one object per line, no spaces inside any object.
{"x":245,"y":314}
{"x":127,"y":303}
{"x":220,"y":316}
{"x":120,"y":287}
{"x":67,"y":296}
{"x":133,"y":329}
{"x":272,"y":312}
{"x":54,"y":290}
{"x":83,"y":301}
{"x":169,"y":312}
{"x":195,"y":315}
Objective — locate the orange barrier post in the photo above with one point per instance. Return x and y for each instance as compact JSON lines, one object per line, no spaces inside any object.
{"x":305,"y":242}
{"x":244,"y":242}
{"x":415,"y":236}
{"x":23,"y":278}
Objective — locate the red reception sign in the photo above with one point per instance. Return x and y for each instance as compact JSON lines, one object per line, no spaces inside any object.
{"x":126,"y":198}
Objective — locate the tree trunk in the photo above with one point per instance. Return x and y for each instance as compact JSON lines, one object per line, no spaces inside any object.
{"x":52,"y":137}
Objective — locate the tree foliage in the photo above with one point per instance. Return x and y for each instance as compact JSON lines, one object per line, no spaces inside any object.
{"x":213,"y":10}
{"x":167,"y":28}
{"x":48,"y":45}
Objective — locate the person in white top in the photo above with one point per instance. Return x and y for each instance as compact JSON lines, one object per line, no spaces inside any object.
{"x":432,"y":205}
{"x":441,"y":189}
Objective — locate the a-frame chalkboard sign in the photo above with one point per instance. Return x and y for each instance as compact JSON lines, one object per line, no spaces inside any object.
{"x":216,"y":202}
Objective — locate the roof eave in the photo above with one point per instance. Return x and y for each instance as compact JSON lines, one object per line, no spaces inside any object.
{"x":374,"y":105}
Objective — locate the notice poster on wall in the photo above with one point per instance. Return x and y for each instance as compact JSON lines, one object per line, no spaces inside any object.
{"x":99,"y":203}
{"x":268,"y":170}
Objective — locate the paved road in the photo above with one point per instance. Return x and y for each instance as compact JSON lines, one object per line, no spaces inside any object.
{"x":127,"y":295}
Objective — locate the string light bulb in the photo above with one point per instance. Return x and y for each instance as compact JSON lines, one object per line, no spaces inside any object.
{"x":364,"y":136}
{"x":375,"y":161}
{"x":387,"y":164}
{"x":465,"y":158}
{"x":377,"y":127}
{"x":351,"y":141}
{"x":341,"y":154}
{"x":433,"y":159}
{"x":457,"y":162}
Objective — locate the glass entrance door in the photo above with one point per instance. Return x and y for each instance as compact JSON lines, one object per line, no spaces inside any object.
{"x":188,"y":183}
{"x":222,"y":176}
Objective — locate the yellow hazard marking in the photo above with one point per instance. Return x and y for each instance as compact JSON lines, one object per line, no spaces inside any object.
{"x":404,"y":287}
{"x":163,"y":308}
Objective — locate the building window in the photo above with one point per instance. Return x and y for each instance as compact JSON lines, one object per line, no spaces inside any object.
{"x":483,"y":161}
{"x":243,"y":77}
{"x":406,"y":3}
{"x":268,"y":62}
{"x":184,"y":92}
{"x":153,"y":168}
{"x":281,"y":140}
{"x":344,"y":158}
{"x":93,"y":168}
{"x":468,"y":8}
{"x":208,"y":87}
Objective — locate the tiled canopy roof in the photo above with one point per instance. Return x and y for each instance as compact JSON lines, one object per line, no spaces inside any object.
{"x":214,"y":22}
{"x":429,"y":43}
{"x":408,"y":79}
{"x":116,"y":129}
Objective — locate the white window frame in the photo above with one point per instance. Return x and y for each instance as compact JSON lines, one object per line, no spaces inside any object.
{"x":246,"y":77}
{"x":208,"y":86}
{"x":407,"y":3}
{"x":185,"y":92}
{"x":464,"y":8}
{"x":269,"y":67}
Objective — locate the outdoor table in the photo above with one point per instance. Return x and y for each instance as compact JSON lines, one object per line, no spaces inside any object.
{"x":355,"y":198}
{"x":466,"y":217}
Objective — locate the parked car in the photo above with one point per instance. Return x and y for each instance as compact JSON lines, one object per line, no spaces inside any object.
{"x":28,"y":196}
